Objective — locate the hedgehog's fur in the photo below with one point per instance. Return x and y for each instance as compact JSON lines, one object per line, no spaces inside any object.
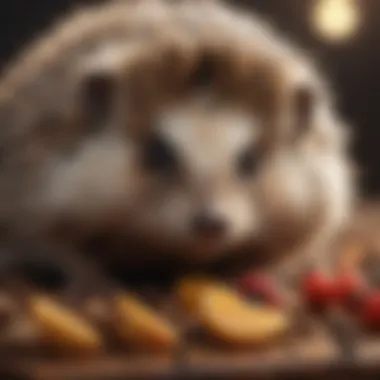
{"x":64,"y":170}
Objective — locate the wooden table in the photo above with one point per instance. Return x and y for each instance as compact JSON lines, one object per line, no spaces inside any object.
{"x":314,"y":353}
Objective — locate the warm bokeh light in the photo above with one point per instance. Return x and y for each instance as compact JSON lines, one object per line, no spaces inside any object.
{"x":336,"y":20}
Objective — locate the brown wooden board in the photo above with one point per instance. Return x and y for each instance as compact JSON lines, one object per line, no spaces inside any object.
{"x":313,"y":350}
{"x":327,"y":346}
{"x":302,"y":355}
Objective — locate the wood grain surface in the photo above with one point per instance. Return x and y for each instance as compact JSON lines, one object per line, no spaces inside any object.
{"x":326,"y":347}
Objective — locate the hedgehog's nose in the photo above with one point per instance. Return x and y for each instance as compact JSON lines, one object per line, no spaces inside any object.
{"x":208,"y":225}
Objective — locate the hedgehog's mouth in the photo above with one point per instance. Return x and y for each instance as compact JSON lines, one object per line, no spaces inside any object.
{"x":206,"y":248}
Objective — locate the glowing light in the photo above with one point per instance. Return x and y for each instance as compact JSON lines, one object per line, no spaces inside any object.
{"x":336,"y":20}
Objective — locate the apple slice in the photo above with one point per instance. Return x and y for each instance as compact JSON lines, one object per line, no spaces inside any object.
{"x":141,"y":326}
{"x":229,"y":318}
{"x":63,"y":327}
{"x":189,"y":291}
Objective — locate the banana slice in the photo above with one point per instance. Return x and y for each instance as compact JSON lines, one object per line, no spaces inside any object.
{"x":229,"y":318}
{"x":63,"y":327}
{"x":142,"y":327}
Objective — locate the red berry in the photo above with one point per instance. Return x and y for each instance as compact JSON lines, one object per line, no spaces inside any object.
{"x":348,"y":287}
{"x":259,"y":287}
{"x":371,"y":310}
{"x":318,"y":290}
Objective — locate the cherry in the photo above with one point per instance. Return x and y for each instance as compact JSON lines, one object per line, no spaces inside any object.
{"x":318,"y":290}
{"x":349,"y":289}
{"x":259,"y":287}
{"x":370,"y":313}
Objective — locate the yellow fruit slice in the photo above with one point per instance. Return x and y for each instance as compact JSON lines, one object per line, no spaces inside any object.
{"x":189,"y":292}
{"x":229,"y":318}
{"x":62,"y":326}
{"x":141,"y":326}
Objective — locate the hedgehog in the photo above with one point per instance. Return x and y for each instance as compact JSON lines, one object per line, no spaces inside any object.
{"x":173,"y":130}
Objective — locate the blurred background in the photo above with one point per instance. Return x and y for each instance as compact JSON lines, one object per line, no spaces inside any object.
{"x":343,"y":34}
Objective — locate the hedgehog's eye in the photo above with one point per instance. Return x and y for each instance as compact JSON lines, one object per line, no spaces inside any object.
{"x":97,"y":99}
{"x":160,"y":157}
{"x":247,"y":162}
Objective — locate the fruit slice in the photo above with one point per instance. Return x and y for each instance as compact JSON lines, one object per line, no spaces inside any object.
{"x":189,"y":292}
{"x":141,"y":326}
{"x":63,"y":327}
{"x":229,"y":318}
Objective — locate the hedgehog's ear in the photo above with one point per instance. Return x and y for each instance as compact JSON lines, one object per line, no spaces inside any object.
{"x":304,"y":102}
